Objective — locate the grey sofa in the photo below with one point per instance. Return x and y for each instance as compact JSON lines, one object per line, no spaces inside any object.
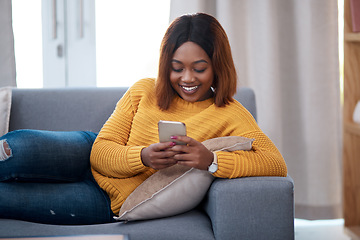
{"x":245,"y":208}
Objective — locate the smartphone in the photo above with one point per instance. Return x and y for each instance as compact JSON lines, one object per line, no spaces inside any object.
{"x":171,"y":128}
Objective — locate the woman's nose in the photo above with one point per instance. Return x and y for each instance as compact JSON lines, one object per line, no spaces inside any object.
{"x":188,"y":76}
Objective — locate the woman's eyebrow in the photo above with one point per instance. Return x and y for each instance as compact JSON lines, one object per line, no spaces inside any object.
{"x":176,"y":61}
{"x":198,"y":61}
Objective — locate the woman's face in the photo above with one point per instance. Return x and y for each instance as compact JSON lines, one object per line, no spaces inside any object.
{"x":191,"y":73}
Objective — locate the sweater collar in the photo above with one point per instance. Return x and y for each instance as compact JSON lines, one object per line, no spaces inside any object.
{"x":180,"y":104}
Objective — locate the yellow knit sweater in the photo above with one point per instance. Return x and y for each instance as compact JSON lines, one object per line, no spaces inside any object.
{"x":115,"y":156}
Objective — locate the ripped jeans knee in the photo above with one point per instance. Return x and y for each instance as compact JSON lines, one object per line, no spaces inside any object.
{"x":5,"y":151}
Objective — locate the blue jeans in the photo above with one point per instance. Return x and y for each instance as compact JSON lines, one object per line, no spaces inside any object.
{"x":47,"y":179}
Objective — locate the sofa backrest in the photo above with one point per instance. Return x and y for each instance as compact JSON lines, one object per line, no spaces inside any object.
{"x":72,"y":109}
{"x":246,"y":97}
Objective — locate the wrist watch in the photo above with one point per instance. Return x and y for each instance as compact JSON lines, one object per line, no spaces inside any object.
{"x":214,"y":165}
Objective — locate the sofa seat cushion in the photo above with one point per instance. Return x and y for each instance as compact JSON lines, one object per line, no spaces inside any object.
{"x":190,"y":225}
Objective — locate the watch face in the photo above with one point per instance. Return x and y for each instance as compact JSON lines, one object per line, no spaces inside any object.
{"x":213,"y":168}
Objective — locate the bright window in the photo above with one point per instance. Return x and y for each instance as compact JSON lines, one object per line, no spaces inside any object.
{"x":128,"y":37}
{"x":27,"y":28}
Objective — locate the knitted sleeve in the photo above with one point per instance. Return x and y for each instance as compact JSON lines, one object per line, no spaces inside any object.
{"x":263,"y":160}
{"x":110,"y":156}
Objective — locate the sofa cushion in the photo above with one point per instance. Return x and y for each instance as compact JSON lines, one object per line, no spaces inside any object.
{"x":63,"y":109}
{"x":188,"y":226}
{"x":176,"y":189}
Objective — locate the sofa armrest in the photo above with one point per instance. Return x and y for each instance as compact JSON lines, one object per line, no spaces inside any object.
{"x":252,"y":208}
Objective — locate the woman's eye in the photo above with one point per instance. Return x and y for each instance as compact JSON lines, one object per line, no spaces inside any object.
{"x":177,"y":69}
{"x":200,"y":70}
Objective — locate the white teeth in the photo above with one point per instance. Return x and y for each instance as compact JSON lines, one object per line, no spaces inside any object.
{"x":190,"y":88}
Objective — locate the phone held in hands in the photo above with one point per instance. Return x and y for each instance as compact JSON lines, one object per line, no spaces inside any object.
{"x":171,"y":128}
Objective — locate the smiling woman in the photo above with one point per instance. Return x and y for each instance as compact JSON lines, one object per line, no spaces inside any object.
{"x":192,"y":74}
{"x":209,"y":43}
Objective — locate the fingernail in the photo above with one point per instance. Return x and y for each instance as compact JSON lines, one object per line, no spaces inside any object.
{"x":173,"y":137}
{"x":172,"y":144}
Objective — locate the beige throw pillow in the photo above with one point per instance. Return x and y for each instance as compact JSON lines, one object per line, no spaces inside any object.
{"x":176,"y":189}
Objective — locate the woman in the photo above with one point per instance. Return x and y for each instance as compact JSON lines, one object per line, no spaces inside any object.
{"x":195,"y":85}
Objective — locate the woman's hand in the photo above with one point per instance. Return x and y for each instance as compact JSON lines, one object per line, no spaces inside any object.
{"x":159,"y":155}
{"x":194,"y":154}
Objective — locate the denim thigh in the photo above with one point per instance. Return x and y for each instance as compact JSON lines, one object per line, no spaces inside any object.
{"x":56,"y":203}
{"x":38,"y":155}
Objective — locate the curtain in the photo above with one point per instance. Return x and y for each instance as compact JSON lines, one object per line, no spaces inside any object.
{"x":7,"y":55}
{"x":287,"y":51}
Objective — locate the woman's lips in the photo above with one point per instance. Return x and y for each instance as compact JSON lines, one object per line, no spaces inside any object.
{"x":189,"y":89}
